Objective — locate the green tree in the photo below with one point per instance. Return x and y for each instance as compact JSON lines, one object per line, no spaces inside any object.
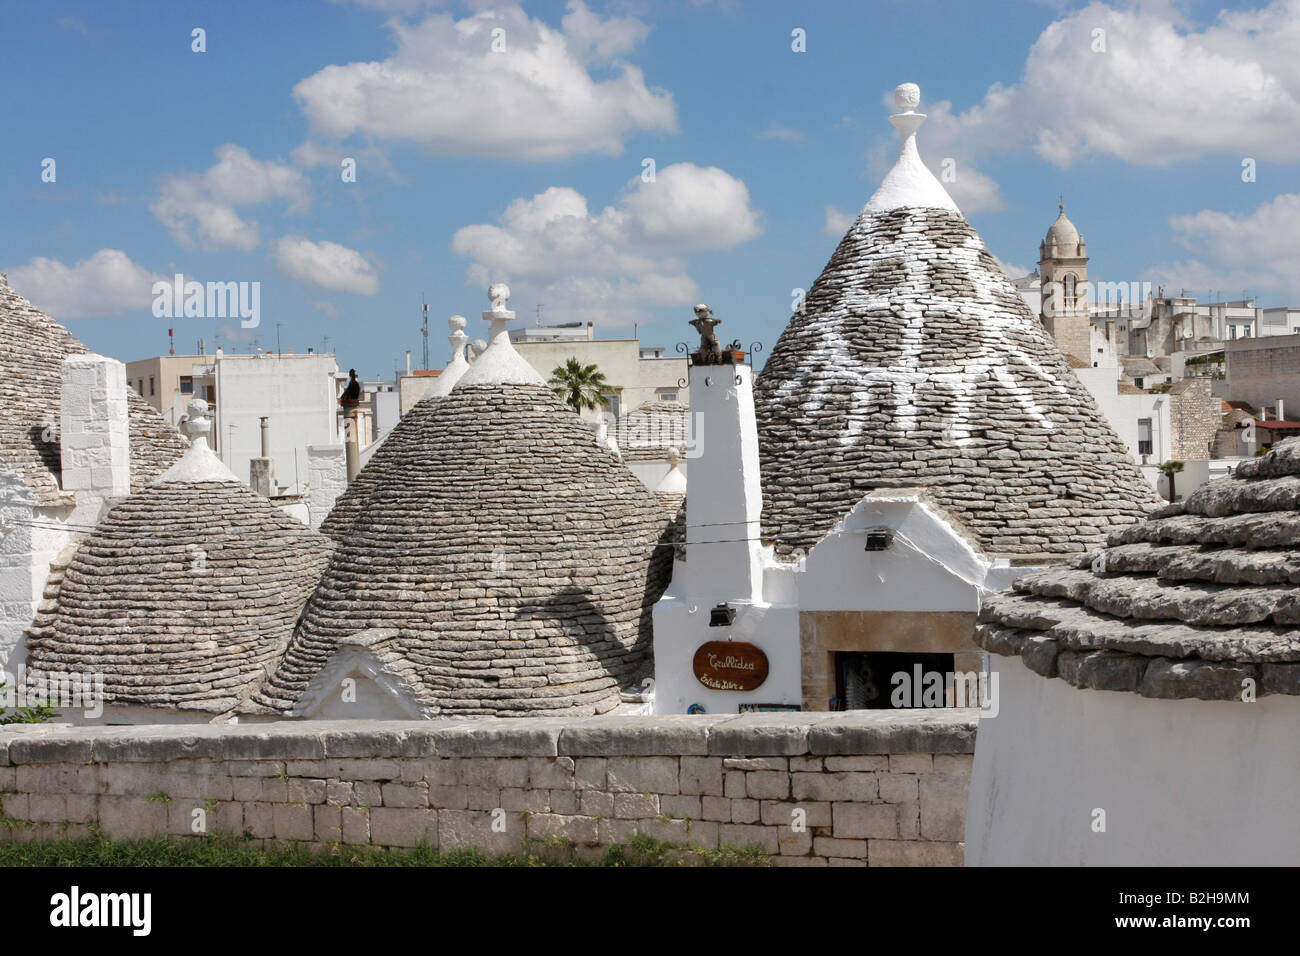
{"x":1169,"y":469}
{"x":581,"y":386}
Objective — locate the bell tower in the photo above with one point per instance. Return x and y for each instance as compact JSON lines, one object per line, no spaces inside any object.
{"x":1063,"y":271}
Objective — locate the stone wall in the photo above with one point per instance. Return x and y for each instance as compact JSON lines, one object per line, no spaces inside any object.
{"x":859,"y":788}
{"x":1195,"y":416}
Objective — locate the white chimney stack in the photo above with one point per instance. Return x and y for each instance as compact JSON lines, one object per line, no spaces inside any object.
{"x":94,"y":437}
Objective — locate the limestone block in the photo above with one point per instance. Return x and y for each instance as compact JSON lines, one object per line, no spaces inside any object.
{"x":701,"y":775}
{"x":589,"y":772}
{"x":794,"y":842}
{"x":740,"y":835}
{"x":562,"y":801}
{"x":806,"y":764}
{"x":259,"y":819}
{"x":746,"y":811}
{"x":131,"y":818}
{"x":306,"y":791}
{"x":292,"y":822}
{"x":246,"y":788}
{"x":275,"y":790}
{"x":909,"y":820}
{"x":368,"y":794}
{"x":685,"y":807}
{"x":642,"y":774}
{"x":831,"y":846}
{"x":775,"y":737}
{"x":798,"y":861}
{"x":899,"y":787}
{"x":548,"y":773}
{"x":716,"y":808}
{"x":47,"y":807}
{"x":873,"y":762}
{"x":635,"y":806}
{"x":518,"y":799}
{"x":781,"y":813}
{"x":455,"y":797}
{"x":864,"y":821}
{"x":844,"y":861}
{"x":910,"y":763}
{"x":81,"y":808}
{"x":338,"y":792}
{"x":756,"y":763}
{"x":466,"y":828}
{"x":767,"y":784}
{"x":943,"y":807}
{"x":482,"y":798}
{"x":554,"y":826}
{"x":960,"y":764}
{"x":328,"y":821}
{"x":669,"y":831}
{"x":734,"y":784}
{"x":404,"y":795}
{"x":634,"y":736}
{"x":596,"y":803}
{"x":405,"y":826}
{"x":56,"y":778}
{"x":356,"y":825}
{"x":834,"y":786}
{"x":913,"y":853}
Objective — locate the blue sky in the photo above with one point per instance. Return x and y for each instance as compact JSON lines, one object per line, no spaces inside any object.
{"x":526,"y":163}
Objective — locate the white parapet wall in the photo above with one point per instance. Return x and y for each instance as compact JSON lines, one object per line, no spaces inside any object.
{"x":1071,"y":777}
{"x":864,"y":788}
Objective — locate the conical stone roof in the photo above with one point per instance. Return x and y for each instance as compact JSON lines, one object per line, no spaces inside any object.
{"x":185,"y":594}
{"x":493,"y":554}
{"x":1200,"y":601}
{"x":32,"y":349}
{"x":916,"y":363}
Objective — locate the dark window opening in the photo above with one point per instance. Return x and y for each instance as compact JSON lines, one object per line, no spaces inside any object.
{"x":885,"y":680}
{"x":187,"y":385}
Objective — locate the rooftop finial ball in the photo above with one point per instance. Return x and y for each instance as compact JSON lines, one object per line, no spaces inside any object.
{"x":457,"y":323}
{"x":907,"y":96}
{"x":499,"y":292}
{"x":197,"y":408}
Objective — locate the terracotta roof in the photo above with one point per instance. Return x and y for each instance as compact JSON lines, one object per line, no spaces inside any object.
{"x":183,"y":597}
{"x":916,"y":362}
{"x":496,"y":558}
{"x":32,"y":349}
{"x":1190,"y":603}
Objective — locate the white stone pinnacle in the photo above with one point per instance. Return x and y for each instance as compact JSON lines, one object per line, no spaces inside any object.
{"x":198,"y":463}
{"x":457,"y":366}
{"x":499,"y":364}
{"x":909,"y":184}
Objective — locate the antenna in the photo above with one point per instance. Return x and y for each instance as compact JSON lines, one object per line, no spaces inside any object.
{"x":539,"y":315}
{"x":171,"y":343}
{"x":277,"y":340}
{"x":424,"y":308}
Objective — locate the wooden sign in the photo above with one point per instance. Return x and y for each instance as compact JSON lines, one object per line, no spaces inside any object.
{"x":730,"y":665}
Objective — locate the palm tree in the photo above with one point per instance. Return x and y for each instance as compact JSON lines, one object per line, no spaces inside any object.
{"x":581,"y":386}
{"x":1169,"y":469}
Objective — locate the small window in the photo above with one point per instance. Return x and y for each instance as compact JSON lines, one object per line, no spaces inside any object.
{"x":667,"y":396}
{"x":150,"y":384}
{"x":1144,"y":436}
{"x":187,"y":385}
{"x":1137,"y":382}
{"x":139,"y":387}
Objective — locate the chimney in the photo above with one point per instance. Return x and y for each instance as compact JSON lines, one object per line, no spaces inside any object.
{"x":94,"y":437}
{"x":723,"y":499}
{"x":1281,"y":410}
{"x":261,"y":471}
{"x":408,"y":361}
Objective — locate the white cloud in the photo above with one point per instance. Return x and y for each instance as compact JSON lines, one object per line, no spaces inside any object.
{"x":1258,"y":252}
{"x":1163,"y":91}
{"x":201,"y":206}
{"x":1012,"y":270}
{"x":787,"y":134}
{"x":631,"y":253}
{"x":325,"y":264}
{"x":445,"y":88}
{"x":108,"y":283}
{"x":837,"y":222}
